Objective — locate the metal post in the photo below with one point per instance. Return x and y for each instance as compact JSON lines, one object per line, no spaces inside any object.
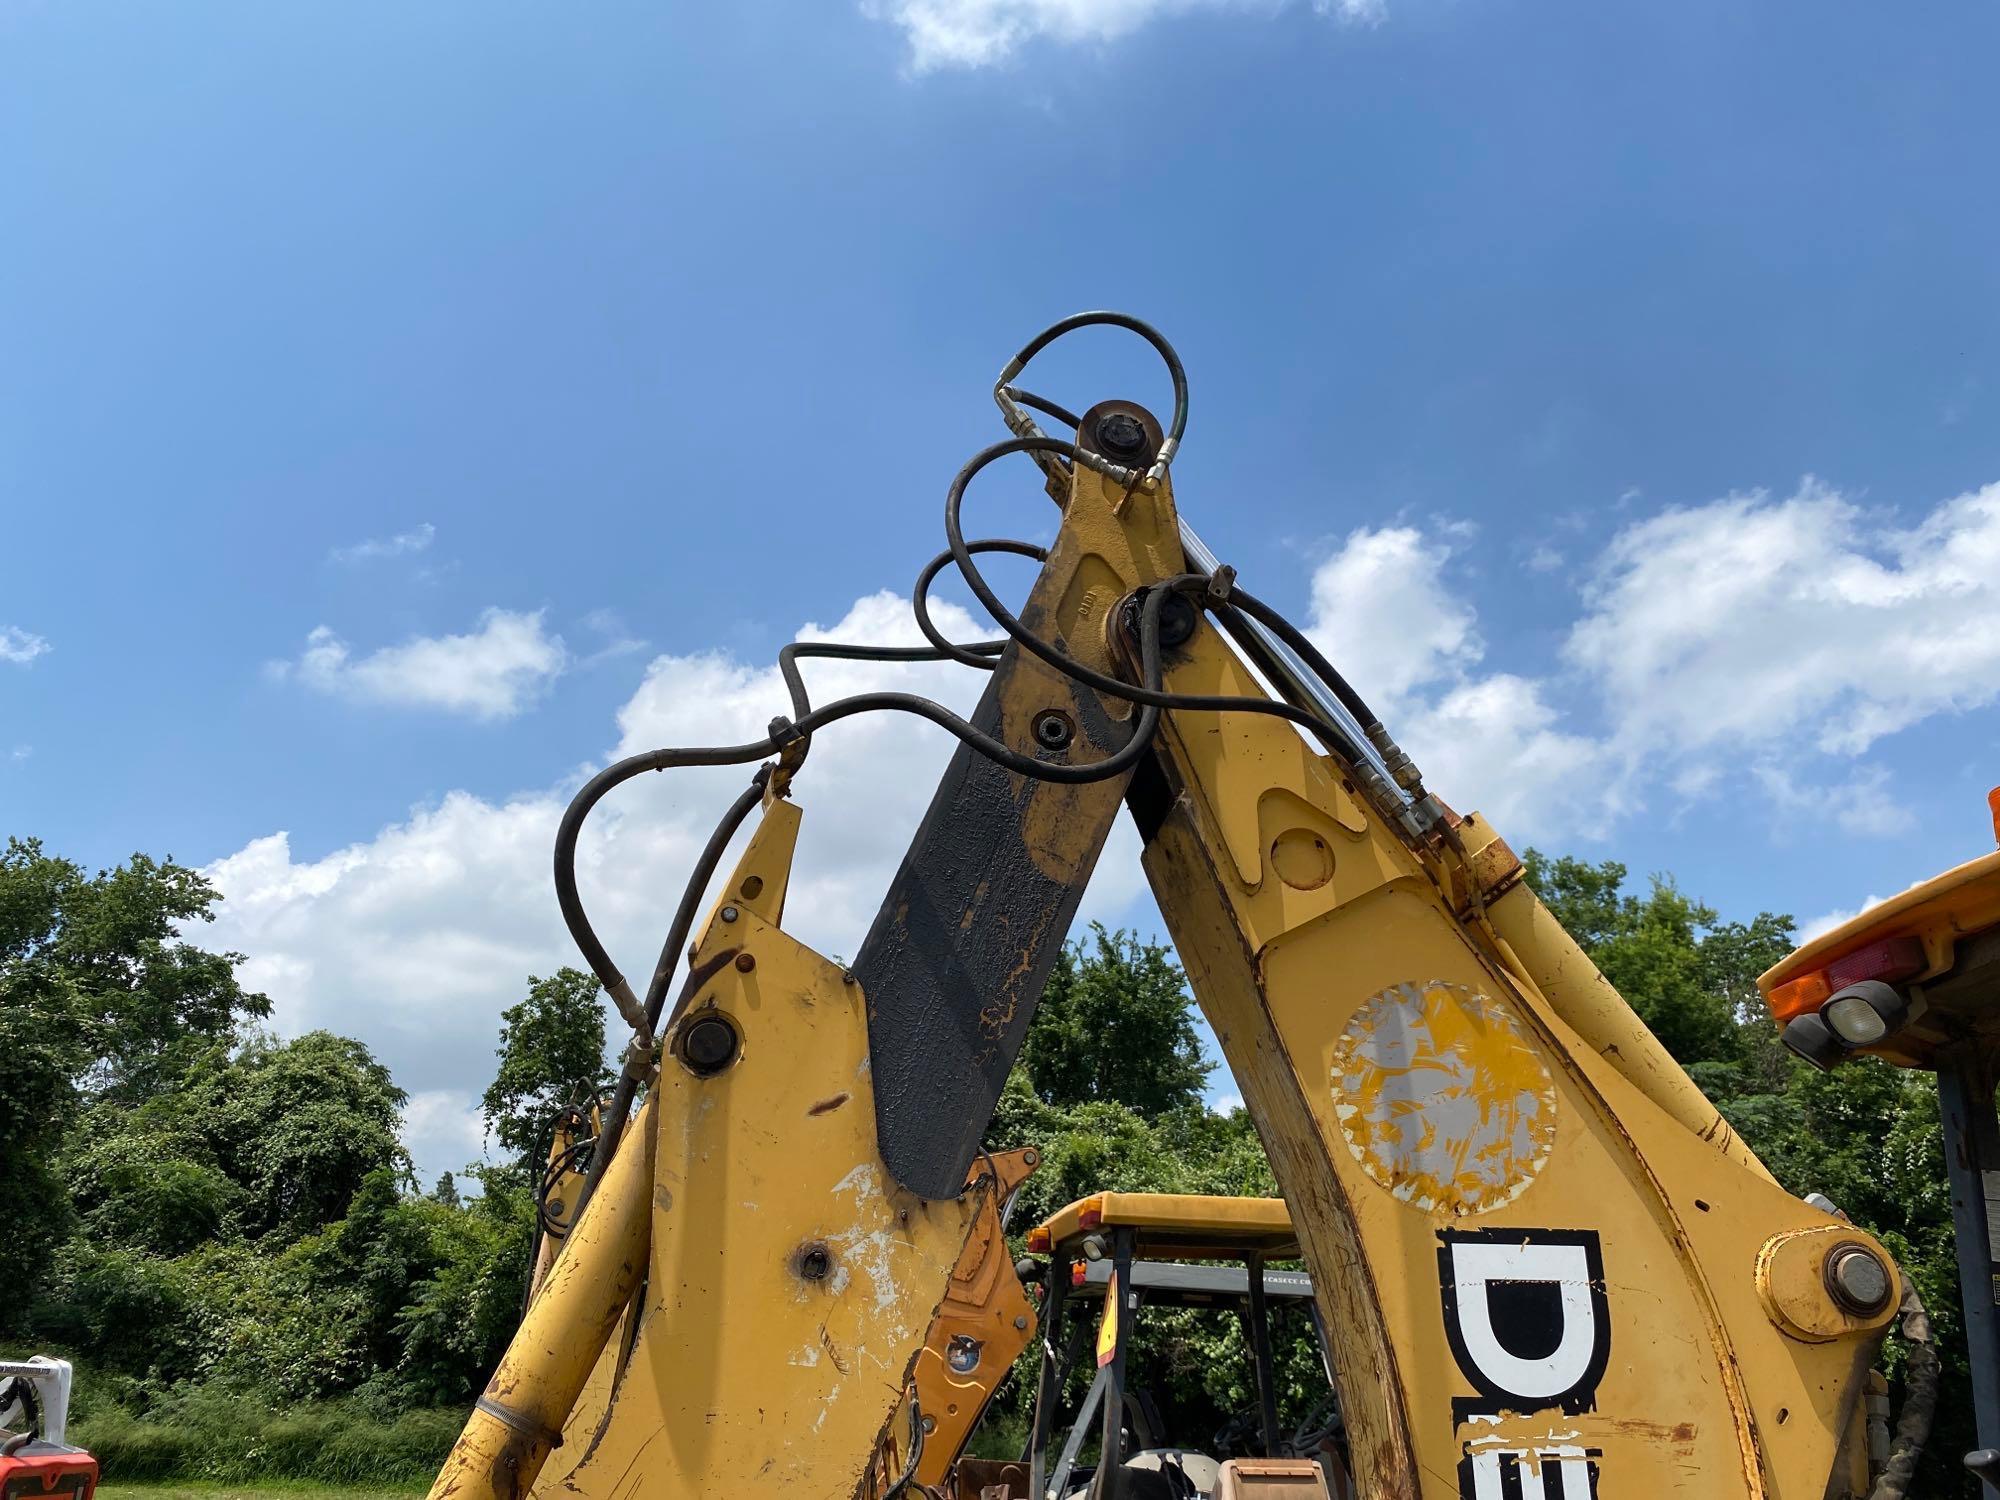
{"x":1111,"y":1452}
{"x":1260,"y":1353}
{"x":1059,"y":1485}
{"x":1048,"y":1389}
{"x":1972,"y":1162}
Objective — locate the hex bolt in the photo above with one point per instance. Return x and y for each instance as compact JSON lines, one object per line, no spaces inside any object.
{"x":729,"y":914}
{"x":1021,"y":1321}
{"x":1030,"y":1157}
{"x":1053,"y":729}
{"x":1857,"y":1279}
{"x":1121,"y":435}
{"x":707,"y":1045}
{"x":745,"y":962}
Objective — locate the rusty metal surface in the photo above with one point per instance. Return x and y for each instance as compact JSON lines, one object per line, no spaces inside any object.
{"x":955,"y":962}
{"x":971,"y":925}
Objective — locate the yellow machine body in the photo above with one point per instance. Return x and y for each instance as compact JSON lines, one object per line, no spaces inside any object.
{"x":985,"y":1322}
{"x":1433,"y":1118}
{"x":1472,"y":1132}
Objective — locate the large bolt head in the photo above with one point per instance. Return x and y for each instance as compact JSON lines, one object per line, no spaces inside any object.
{"x":1858,"y":1280}
{"x":708,"y":1045}
{"x":1121,"y":435}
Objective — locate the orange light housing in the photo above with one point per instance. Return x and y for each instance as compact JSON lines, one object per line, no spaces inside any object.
{"x":1798,"y":996}
{"x":1039,"y":1242}
{"x":1889,"y":960}
{"x":1079,"y":1273}
{"x":1993,"y":806}
{"x":1091,"y":1217}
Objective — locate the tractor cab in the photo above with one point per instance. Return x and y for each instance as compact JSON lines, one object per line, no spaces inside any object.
{"x":1915,"y":982}
{"x":1115,"y":1264}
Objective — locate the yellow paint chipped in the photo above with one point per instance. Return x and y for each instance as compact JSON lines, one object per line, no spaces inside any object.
{"x":1441,"y":1097}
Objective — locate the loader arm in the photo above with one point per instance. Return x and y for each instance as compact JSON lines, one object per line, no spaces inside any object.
{"x":1546,"y":1268}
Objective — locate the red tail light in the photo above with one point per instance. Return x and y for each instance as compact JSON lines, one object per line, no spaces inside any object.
{"x":1890,"y":960}
{"x":1893,"y":959}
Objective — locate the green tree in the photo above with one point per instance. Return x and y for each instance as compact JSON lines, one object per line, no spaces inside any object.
{"x":1690,"y":977}
{"x":299,"y":1126}
{"x":1865,"y":1134}
{"x":457,"y":1321}
{"x":148,"y":1178}
{"x":100,"y":1001}
{"x":551,"y":1054}
{"x":1115,"y":1023}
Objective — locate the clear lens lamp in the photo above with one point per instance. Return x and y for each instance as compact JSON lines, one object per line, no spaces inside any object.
{"x":1863,"y":1014}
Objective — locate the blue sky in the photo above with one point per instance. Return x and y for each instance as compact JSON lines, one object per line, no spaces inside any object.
{"x":402,"y":408}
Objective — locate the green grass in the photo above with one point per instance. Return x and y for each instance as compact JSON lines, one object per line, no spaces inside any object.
{"x":277,"y":1489}
{"x":212,"y":1446}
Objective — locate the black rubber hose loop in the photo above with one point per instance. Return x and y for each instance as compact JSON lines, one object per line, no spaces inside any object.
{"x":1147,"y":693}
{"x":1175,"y":370}
{"x":985,"y":654}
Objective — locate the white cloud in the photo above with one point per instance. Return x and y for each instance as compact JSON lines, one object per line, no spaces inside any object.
{"x":1861,"y":805}
{"x":402,"y":544}
{"x":443,"y":1130}
{"x":618,"y":641}
{"x":1384,"y":612}
{"x":416,"y":938}
{"x":20,"y":646}
{"x":1781,"y":637}
{"x":21,"y":753}
{"x":1821,"y":925}
{"x":1494,"y":743}
{"x":979,"y":33}
{"x":492,"y":673}
{"x":1756,"y":622}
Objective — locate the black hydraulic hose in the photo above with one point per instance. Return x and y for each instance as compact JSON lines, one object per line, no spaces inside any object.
{"x":619,"y":772}
{"x":902,"y":1485}
{"x":1920,"y":1395}
{"x":1175,"y":371}
{"x":612,"y":1127}
{"x":704,"y":872}
{"x":1310,"y":654}
{"x":1148,"y":693}
{"x":1043,"y":405}
{"x":592,"y":792}
{"x":1258,"y":653}
{"x":981,"y":655}
{"x":592,"y":947}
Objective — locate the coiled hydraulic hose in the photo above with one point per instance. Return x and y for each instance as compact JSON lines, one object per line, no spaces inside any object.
{"x":791,"y":737}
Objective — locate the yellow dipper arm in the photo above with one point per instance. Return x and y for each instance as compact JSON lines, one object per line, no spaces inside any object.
{"x":521,"y":1414}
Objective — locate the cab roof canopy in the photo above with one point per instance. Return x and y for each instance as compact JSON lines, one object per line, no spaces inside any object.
{"x":1176,"y":1226}
{"x":1943,"y":934}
